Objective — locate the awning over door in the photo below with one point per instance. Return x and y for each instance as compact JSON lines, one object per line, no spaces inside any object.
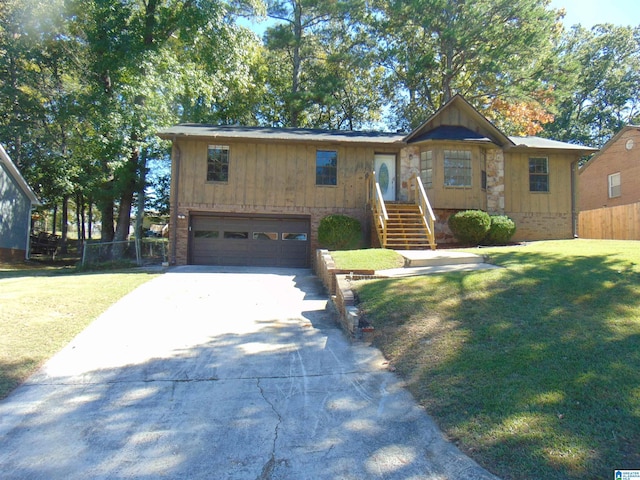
{"x":249,"y":241}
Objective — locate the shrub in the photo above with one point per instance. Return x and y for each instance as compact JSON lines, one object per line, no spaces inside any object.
{"x":501,"y":230}
{"x":470,"y":226}
{"x":339,"y":232}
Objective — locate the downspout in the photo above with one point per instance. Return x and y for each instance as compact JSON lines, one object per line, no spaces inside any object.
{"x":175,"y":181}
{"x":574,"y":198}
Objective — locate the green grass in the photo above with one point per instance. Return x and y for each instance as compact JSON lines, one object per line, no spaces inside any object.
{"x":533,"y":369}
{"x":44,"y":307}
{"x":368,"y":259}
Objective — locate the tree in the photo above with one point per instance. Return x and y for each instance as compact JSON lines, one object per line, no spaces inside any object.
{"x":482,"y":49}
{"x":304,"y":47}
{"x":599,"y":92}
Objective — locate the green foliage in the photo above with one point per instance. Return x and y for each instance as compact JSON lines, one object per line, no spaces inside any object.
{"x":597,"y":93}
{"x":485,"y":49}
{"x":501,"y":230}
{"x":339,"y":232}
{"x":470,"y":226}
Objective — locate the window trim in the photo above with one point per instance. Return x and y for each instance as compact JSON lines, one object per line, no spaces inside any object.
{"x":223,"y":148}
{"x":539,"y":174}
{"x":611,"y":186}
{"x":324,"y":168}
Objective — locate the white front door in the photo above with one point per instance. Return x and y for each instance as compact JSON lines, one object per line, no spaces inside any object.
{"x":385,"y":168}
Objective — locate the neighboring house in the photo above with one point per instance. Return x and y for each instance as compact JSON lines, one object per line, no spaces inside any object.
{"x":255,"y":196}
{"x":610,"y":189}
{"x":16,"y":201}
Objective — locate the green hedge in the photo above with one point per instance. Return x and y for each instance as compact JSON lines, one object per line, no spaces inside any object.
{"x":470,"y":227}
{"x":501,"y":230}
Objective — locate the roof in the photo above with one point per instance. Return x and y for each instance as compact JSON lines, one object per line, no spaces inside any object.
{"x":606,"y":146}
{"x":489,"y":130}
{"x":224,"y":132}
{"x":545,"y":143}
{"x":18,"y":178}
{"x":433,"y":129}
{"x":450,"y":132}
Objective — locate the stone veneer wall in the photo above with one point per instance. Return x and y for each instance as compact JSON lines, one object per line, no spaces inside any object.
{"x":495,"y":181}
{"x":409,"y":164}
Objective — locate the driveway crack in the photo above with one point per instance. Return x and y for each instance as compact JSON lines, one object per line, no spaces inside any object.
{"x":267,"y":470}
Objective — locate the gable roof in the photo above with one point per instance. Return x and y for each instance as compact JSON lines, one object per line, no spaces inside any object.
{"x":606,"y":146}
{"x":483,"y":127}
{"x":451,"y":132}
{"x":17,"y":177}
{"x":457,"y":120}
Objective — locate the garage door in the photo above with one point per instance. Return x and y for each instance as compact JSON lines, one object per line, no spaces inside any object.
{"x":250,"y":241}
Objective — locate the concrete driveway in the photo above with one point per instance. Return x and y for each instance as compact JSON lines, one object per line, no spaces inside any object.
{"x":221,"y":373}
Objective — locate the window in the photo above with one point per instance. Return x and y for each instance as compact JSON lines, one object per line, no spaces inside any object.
{"x":538,"y":174}
{"x":326,"y":167}
{"x":614,"y":185}
{"x":265,"y":235}
{"x":300,"y":237}
{"x":426,"y":168}
{"x":457,"y":168}
{"x":218,"y":163}
{"x":236,"y":235}
{"x":206,"y":234}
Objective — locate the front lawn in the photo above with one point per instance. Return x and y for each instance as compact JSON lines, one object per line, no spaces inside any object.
{"x":44,"y":308}
{"x":367,"y":259}
{"x":533,"y":369}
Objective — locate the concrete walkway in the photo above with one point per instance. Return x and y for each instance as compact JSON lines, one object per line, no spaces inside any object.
{"x":233,"y":373}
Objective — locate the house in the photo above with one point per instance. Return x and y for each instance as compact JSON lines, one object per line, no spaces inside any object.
{"x":16,"y":201}
{"x":255,"y":196}
{"x":609,"y":186}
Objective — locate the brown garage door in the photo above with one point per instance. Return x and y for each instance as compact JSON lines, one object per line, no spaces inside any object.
{"x":250,"y":241}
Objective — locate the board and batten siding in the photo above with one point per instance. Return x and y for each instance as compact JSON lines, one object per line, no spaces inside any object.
{"x":269,"y":178}
{"x":264,"y":175}
{"x":539,"y":215}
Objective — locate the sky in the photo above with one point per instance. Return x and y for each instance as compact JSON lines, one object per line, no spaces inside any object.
{"x":585,"y":12}
{"x":590,"y":12}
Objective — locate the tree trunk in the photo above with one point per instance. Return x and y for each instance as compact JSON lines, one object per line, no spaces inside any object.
{"x":90,"y":217}
{"x":64,"y":226}
{"x":106,"y":211}
{"x":55,"y":219}
{"x":141,"y":195}
{"x":297,"y":64}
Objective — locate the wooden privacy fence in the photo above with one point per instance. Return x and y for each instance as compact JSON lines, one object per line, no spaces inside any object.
{"x":615,"y":223}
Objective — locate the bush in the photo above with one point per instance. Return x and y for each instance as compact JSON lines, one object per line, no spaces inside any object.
{"x":339,"y":232}
{"x":470,"y":226}
{"x":501,"y":230}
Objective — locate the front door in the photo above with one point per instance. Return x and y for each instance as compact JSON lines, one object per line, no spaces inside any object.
{"x":385,"y":168}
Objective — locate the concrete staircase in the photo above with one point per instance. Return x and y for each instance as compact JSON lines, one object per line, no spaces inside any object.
{"x":405,"y":229}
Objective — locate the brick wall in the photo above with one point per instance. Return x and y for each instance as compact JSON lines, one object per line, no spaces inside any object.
{"x":614,"y":158}
{"x":541,"y":226}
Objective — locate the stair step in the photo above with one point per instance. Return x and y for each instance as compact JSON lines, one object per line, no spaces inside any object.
{"x":439,"y":258}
